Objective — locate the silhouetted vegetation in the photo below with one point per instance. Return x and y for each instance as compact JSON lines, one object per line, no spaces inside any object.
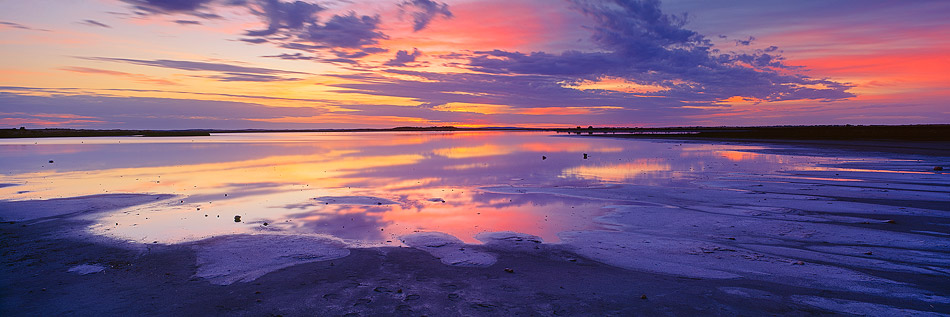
{"x":929,"y":132}
{"x":60,"y":133}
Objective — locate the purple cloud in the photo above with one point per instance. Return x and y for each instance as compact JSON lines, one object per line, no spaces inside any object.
{"x":95,"y":23}
{"x":250,"y":77}
{"x":20,"y":26}
{"x":641,"y":44}
{"x":346,"y":31}
{"x":197,"y":8}
{"x":194,"y":66}
{"x":294,"y":56}
{"x":403,"y":57}
{"x":423,"y":11}
{"x":285,"y":15}
{"x":150,"y":113}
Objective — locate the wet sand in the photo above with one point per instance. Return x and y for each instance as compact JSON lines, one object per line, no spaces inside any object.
{"x":801,"y":243}
{"x":548,"y":280}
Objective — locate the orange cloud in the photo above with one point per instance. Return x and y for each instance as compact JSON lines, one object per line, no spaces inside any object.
{"x":136,"y":77}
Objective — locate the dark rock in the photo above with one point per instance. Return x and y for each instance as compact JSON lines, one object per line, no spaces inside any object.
{"x":644,"y":296}
{"x":509,"y":270}
{"x":936,"y":168}
{"x":543,"y":157}
{"x":585,"y":156}
{"x":51,"y":161}
{"x":237,"y":218}
{"x":891,"y":221}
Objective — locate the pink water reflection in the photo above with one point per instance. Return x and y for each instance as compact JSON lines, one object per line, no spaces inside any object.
{"x":272,"y":180}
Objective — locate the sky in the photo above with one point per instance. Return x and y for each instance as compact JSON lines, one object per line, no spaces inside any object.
{"x":276,"y":64}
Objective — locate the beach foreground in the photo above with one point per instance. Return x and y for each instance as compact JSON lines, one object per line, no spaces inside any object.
{"x":815,"y":230}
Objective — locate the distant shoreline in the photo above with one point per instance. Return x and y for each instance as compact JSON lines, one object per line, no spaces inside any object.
{"x":926,"y":132}
{"x":66,"y":133}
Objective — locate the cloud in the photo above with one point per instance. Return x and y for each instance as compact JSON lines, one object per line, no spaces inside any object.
{"x":187,"y":22}
{"x":194,"y":66}
{"x":136,"y":77}
{"x":745,"y":42}
{"x":294,"y":56}
{"x":423,"y":11}
{"x":226,"y":72}
{"x":403,"y":57}
{"x":143,"y":113}
{"x":95,"y":23}
{"x":639,"y":43}
{"x":285,"y":15}
{"x":199,"y":8}
{"x":297,"y":26}
{"x":346,"y":31}
{"x":250,"y":77}
{"x":20,"y":26}
{"x":292,"y":24}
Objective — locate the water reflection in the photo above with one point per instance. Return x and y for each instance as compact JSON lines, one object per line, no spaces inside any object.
{"x":273,"y":180}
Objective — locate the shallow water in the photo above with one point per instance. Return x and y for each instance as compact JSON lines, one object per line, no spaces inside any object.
{"x":372,"y":188}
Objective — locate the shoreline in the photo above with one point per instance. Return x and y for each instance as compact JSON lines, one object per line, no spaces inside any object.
{"x":914,"y":147}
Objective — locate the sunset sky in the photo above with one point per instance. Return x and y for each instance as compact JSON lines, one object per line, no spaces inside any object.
{"x":179,"y":64}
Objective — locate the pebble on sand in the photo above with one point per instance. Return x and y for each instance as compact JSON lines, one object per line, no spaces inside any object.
{"x":237,"y":218}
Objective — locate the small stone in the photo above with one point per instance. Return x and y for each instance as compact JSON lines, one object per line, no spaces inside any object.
{"x":936,"y":168}
{"x":585,"y":156}
{"x":265,"y":224}
{"x":869,"y":253}
{"x":543,"y":157}
{"x":798,"y":263}
{"x":891,"y":221}
{"x":51,"y":161}
{"x":732,"y":238}
{"x":644,"y":296}
{"x":237,"y":218}
{"x":509,"y":270}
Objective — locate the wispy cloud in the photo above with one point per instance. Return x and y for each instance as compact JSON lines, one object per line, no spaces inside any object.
{"x":95,"y":23}
{"x":136,"y":77}
{"x":20,"y":26}
{"x":225,"y":72}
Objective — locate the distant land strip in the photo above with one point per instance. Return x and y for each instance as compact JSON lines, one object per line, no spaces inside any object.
{"x":923,"y":132}
{"x":62,"y":133}
{"x":927,"y":132}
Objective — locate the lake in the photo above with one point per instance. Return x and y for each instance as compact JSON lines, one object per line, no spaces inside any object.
{"x":791,"y":225}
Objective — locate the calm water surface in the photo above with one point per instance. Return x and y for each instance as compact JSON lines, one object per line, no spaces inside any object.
{"x":365,"y":188}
